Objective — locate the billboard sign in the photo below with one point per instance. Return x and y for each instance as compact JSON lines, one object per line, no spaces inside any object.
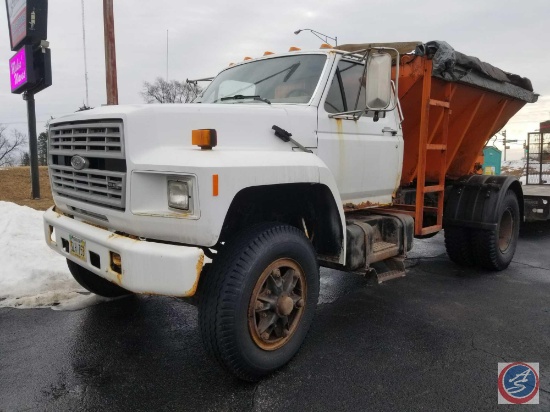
{"x":27,"y":21}
{"x":17,"y":16}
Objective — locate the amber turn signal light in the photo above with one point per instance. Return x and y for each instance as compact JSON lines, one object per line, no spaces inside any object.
{"x":206,"y":139}
{"x":116,"y":262}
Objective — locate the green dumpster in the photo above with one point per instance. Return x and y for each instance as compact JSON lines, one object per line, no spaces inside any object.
{"x":491,"y":160}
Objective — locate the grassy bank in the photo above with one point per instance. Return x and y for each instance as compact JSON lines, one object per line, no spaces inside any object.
{"x":15,"y":186}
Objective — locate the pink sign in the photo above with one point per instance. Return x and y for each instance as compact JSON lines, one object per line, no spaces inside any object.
{"x":18,"y":69}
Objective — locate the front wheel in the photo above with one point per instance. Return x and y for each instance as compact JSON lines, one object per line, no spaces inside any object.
{"x":259,"y":300}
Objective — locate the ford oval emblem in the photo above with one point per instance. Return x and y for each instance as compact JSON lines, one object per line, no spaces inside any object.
{"x":79,"y":163}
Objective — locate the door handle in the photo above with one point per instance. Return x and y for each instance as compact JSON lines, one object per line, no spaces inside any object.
{"x":389,"y":130}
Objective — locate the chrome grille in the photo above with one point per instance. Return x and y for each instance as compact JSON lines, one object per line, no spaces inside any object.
{"x":101,"y":139}
{"x":103,"y":182}
{"x":96,"y":187}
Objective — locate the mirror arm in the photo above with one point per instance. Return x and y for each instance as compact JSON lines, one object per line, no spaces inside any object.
{"x":399,"y":110}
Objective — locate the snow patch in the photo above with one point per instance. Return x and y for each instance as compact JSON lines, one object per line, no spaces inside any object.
{"x":31,"y":274}
{"x":518,"y":164}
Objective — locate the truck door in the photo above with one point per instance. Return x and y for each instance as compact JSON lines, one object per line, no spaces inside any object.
{"x":365,"y":156}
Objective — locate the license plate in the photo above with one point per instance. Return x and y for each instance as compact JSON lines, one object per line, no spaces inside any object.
{"x":77,"y":247}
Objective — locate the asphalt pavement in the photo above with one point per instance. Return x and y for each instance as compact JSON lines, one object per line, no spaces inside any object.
{"x":428,"y":342}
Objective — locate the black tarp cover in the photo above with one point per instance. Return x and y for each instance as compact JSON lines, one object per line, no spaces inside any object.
{"x":454,"y":66}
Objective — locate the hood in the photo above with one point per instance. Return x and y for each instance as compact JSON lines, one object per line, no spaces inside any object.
{"x":239,"y":126}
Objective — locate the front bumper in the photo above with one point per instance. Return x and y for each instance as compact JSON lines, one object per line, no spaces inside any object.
{"x":147,"y":267}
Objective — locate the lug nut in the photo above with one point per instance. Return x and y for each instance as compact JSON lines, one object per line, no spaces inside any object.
{"x":265,"y":336}
{"x":264,"y":315}
{"x":268,"y":292}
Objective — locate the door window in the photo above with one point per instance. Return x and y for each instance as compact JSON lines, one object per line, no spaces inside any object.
{"x":342,"y":95}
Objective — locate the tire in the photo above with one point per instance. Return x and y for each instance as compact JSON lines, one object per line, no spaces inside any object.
{"x":94,"y":283}
{"x":247,"y":280}
{"x":458,"y":244}
{"x":494,"y":249}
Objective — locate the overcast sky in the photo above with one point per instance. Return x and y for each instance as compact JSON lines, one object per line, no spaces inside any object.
{"x":205,"y":36}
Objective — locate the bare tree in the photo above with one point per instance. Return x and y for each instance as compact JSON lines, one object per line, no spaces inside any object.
{"x":10,"y":147}
{"x":161,"y":91}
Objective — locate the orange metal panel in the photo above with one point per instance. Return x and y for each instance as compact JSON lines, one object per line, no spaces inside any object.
{"x":422,"y":142}
{"x":431,"y":229}
{"x":476,"y":115}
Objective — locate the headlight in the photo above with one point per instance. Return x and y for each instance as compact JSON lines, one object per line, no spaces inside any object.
{"x":178,"y":194}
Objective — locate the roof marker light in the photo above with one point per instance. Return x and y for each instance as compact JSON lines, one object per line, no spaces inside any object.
{"x":294,"y":48}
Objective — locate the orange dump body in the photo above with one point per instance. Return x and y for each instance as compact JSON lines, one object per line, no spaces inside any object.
{"x":446,"y":125}
{"x":475,"y":115}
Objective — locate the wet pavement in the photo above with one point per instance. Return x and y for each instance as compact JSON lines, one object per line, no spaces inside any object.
{"x":429,"y":341}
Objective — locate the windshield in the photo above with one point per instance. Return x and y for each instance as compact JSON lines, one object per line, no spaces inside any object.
{"x":287,"y":79}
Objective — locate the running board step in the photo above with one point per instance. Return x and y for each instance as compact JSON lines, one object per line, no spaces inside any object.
{"x":376,"y":237}
{"x":388,"y":269}
{"x":392,"y":274}
{"x":382,"y":251}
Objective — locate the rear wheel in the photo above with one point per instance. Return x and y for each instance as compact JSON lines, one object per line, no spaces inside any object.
{"x":259,"y":300}
{"x":494,"y":249}
{"x":94,"y":283}
{"x":458,"y":243}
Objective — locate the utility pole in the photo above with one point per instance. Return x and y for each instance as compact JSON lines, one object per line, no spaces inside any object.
{"x":110,"y":52}
{"x":85,"y":60}
{"x":33,"y":145}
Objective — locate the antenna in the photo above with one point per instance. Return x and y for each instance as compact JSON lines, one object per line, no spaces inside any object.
{"x":166,"y":54}
{"x":85,"y":60}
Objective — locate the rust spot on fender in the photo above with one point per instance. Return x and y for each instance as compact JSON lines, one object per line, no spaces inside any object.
{"x":123,"y":236}
{"x":349,"y":207}
{"x":199,"y":266}
{"x":339,"y":128}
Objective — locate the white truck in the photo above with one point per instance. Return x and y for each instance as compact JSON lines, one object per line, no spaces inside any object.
{"x":284,"y":163}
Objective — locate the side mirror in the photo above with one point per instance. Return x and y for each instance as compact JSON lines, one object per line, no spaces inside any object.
{"x":378,"y":81}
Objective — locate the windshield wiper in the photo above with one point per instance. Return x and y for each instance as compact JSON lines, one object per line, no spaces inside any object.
{"x":241,"y":97}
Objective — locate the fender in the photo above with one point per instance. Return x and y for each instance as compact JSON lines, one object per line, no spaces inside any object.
{"x":473,"y":201}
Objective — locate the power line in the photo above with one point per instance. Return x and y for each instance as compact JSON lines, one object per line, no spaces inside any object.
{"x":24,"y":122}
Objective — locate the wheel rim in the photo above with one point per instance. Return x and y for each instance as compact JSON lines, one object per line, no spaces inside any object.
{"x":506,"y":230}
{"x":277,"y":304}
